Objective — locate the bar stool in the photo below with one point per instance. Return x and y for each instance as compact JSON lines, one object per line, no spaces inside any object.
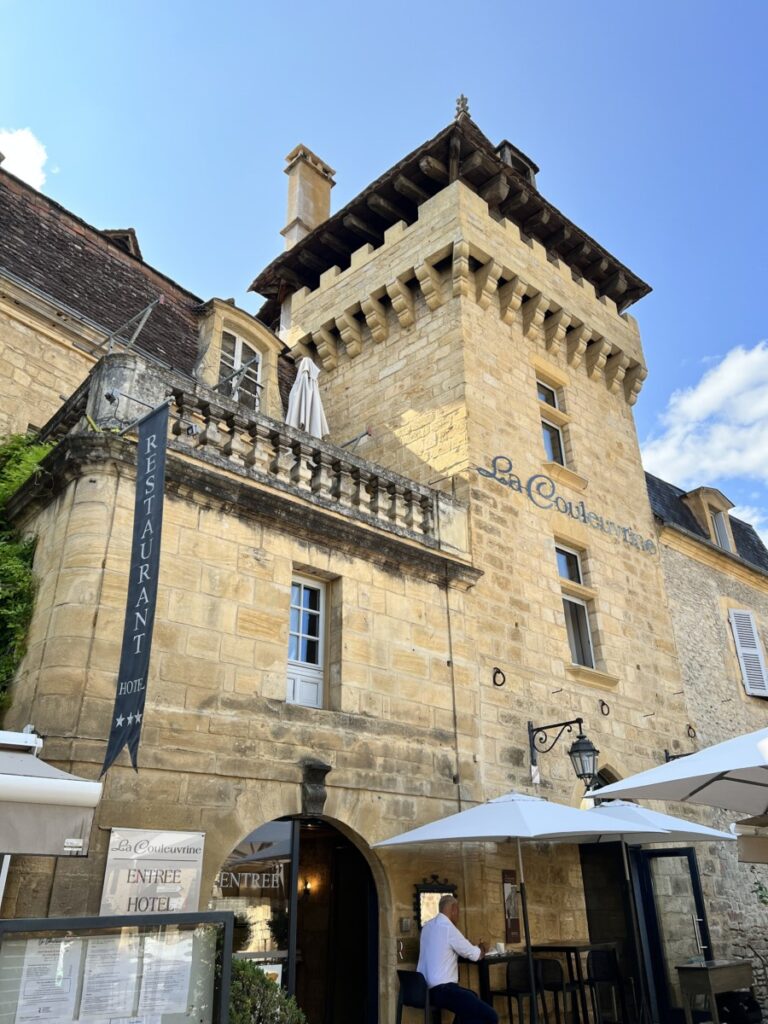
{"x":603,"y":973}
{"x":550,"y":977}
{"x":518,"y":987}
{"x":413,"y":992}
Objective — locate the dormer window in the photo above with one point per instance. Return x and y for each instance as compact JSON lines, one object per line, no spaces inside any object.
{"x":240,"y":365}
{"x":710,"y":508}
{"x":720,"y":532}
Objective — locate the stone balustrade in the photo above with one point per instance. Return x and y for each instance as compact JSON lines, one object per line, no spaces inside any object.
{"x":208,"y":426}
{"x":289,"y":459}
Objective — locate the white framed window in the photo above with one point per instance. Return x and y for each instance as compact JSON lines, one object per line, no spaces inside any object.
{"x":720,"y":529}
{"x":306,"y":643}
{"x":547,"y":394}
{"x":551,"y":427}
{"x":749,"y":651}
{"x":575,"y":608}
{"x":235,"y":354}
{"x":553,"y":442}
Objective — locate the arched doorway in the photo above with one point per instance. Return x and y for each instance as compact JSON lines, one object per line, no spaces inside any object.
{"x":306,"y":910}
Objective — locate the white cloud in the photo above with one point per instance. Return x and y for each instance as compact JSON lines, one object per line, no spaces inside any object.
{"x":717,"y":429}
{"x":25,"y":155}
{"x":757,"y":517}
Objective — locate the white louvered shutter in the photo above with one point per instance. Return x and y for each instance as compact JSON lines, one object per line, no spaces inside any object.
{"x":750,"y":652}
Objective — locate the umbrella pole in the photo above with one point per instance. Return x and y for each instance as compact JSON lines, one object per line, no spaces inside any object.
{"x":527,"y":930}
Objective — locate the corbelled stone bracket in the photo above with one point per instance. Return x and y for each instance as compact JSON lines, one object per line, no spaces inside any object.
{"x":313,"y":791}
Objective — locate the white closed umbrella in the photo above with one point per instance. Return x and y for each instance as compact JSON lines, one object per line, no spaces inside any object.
{"x":305,"y":408}
{"x":732,"y":775}
{"x":519,"y":817}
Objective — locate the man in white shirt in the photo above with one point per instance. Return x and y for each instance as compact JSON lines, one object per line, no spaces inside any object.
{"x":441,"y":946}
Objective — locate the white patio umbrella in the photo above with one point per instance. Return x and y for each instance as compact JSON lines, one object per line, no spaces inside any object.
{"x":732,"y":775}
{"x":305,"y":409}
{"x":678,"y":830}
{"x":675,"y":830}
{"x":519,"y":817}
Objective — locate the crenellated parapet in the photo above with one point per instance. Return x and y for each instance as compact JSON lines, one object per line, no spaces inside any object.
{"x":456,"y":250}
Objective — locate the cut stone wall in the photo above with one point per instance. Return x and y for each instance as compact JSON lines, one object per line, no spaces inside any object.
{"x":444,"y":374}
{"x":702,"y":585}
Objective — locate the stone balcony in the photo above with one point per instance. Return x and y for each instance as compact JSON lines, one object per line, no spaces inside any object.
{"x":259,"y":466}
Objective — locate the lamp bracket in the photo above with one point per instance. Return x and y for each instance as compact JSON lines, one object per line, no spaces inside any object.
{"x":538,"y":736}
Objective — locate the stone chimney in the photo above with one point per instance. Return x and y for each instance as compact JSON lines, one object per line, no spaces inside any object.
{"x":309,"y":193}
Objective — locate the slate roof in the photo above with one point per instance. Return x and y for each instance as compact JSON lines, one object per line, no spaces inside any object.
{"x":462,"y":151}
{"x":101,"y":275}
{"x":82,"y":267}
{"x":668,"y":506}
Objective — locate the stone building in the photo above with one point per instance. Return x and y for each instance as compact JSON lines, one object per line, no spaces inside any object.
{"x":716,"y":572}
{"x":353,"y":634}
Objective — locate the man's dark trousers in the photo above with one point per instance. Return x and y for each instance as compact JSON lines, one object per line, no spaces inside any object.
{"x":467,"y":1006}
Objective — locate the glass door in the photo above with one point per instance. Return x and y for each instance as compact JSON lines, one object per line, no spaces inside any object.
{"x":676,"y":929}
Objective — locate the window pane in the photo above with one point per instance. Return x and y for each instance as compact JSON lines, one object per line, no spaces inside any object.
{"x":577,"y":626}
{"x":310,"y":624}
{"x":295,"y":620}
{"x":312,"y":598}
{"x":256,"y":882}
{"x":296,"y":594}
{"x":721,"y":532}
{"x":546,"y":394}
{"x":293,"y":648}
{"x":228,"y":345}
{"x":553,"y":444}
{"x":310,"y":651}
{"x":568,"y":565}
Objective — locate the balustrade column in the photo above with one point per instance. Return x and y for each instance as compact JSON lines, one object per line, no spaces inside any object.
{"x":181,"y":429}
{"x":261,"y":452}
{"x":345,"y":485}
{"x":323,"y":476}
{"x":235,"y":447}
{"x":210,"y":434}
{"x":284,"y":457}
{"x":303,"y":470}
{"x":427,"y":515}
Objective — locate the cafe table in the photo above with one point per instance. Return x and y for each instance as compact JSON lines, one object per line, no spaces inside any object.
{"x":709,"y":977}
{"x":573,"y":950}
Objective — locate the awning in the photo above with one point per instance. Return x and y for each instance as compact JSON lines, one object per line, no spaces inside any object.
{"x":42,"y":810}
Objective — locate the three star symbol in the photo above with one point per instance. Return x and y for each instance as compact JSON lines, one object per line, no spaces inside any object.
{"x":131,"y":719}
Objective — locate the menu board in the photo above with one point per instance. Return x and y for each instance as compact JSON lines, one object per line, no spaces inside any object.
{"x":110,"y":978}
{"x":129,"y":974}
{"x":167,"y":965}
{"x":49,"y":980}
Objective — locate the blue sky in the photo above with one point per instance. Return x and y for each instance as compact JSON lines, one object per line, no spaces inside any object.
{"x":647,"y":120}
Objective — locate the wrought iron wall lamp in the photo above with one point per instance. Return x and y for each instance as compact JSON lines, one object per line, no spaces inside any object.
{"x":583,"y":753}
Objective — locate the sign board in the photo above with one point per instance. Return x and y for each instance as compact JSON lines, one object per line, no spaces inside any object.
{"x":152,"y":872}
{"x":137,"y":969}
{"x":753,"y":849}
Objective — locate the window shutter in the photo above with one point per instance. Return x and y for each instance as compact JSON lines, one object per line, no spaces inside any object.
{"x":750,"y":652}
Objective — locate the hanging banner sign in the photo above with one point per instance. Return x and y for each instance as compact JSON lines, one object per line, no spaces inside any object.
{"x":142,"y":588}
{"x":152,"y":872}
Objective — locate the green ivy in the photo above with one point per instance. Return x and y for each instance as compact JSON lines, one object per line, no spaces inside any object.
{"x":255,"y":999}
{"x":760,"y":889}
{"x":19,"y":457}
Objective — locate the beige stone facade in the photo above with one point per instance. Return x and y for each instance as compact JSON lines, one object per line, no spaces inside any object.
{"x":704,"y":584}
{"x":436,"y":542}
